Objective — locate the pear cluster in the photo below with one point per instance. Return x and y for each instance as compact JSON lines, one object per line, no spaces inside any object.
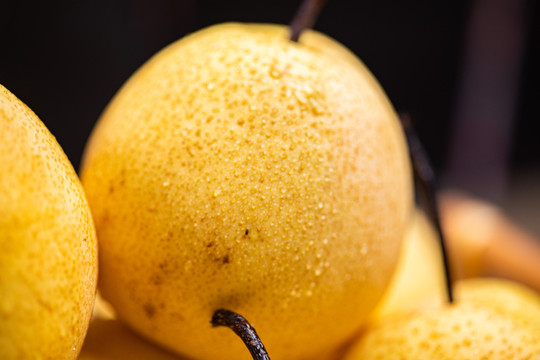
{"x":236,"y":170}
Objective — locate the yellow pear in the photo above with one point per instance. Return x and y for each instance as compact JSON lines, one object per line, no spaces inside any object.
{"x":238,"y":169}
{"x":418,"y":281}
{"x":48,"y":248}
{"x":491,"y":319}
{"x":509,"y":297}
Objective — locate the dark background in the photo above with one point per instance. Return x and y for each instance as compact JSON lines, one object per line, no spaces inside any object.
{"x":66,"y":59}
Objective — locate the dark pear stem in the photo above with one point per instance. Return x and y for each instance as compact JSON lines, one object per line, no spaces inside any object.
{"x":305,"y":17}
{"x":242,"y":328}
{"x":427,"y":184}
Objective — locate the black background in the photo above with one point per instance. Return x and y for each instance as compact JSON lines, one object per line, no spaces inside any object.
{"x":66,"y":59}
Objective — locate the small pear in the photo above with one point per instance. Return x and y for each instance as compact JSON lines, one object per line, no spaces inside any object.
{"x":505,"y":296}
{"x":491,"y":319}
{"x":48,"y":246}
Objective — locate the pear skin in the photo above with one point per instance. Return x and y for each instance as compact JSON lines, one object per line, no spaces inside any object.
{"x":490,"y":319}
{"x":237,"y":169}
{"x":48,"y":246}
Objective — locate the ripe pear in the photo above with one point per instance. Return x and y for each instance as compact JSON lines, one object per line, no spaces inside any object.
{"x":491,"y":319}
{"x":509,"y":297}
{"x":419,"y":281}
{"x":238,"y":169}
{"x":48,"y":246}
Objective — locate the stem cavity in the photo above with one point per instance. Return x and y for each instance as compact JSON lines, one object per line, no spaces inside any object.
{"x":243,"y":329}
{"x":426,"y":182}
{"x":305,"y":17}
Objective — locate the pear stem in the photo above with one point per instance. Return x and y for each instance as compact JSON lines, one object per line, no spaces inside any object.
{"x":427,"y":184}
{"x":243,"y":329}
{"x":305,"y":17}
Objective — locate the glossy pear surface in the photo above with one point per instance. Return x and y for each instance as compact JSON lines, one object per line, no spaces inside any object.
{"x":237,"y":169}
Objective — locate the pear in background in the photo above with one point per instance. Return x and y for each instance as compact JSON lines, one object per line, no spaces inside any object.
{"x":491,"y":319}
{"x":418,"y":281}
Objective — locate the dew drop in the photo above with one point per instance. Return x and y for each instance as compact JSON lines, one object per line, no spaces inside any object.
{"x":315,"y":106}
{"x":364,"y":249}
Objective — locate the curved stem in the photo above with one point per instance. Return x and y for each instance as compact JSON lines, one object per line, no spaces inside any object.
{"x":305,"y":17}
{"x":242,"y":328}
{"x":427,"y":184}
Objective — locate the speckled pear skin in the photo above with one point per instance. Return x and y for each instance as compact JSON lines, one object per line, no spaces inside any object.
{"x":239,"y":170}
{"x":48,"y":245}
{"x":491,"y":319}
{"x":513,"y":299}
